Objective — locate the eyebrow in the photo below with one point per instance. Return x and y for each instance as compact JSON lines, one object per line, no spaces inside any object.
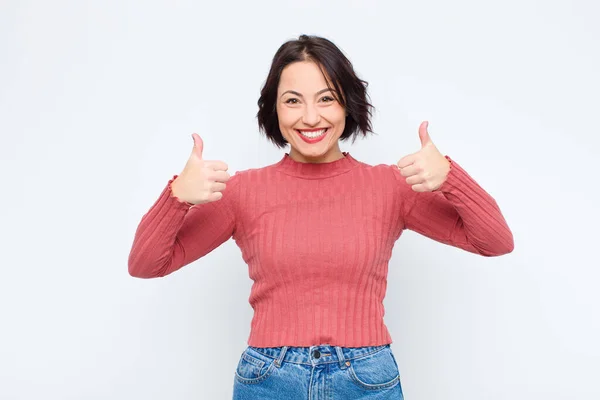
{"x":300,"y":95}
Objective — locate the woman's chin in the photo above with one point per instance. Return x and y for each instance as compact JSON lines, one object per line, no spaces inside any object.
{"x":312,"y":155}
{"x":315,"y":152}
{"x":312,"y":151}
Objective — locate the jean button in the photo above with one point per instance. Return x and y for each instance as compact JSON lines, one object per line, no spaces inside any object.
{"x":316,"y":354}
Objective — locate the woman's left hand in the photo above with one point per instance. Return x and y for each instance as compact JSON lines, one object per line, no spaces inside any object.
{"x":427,"y":169}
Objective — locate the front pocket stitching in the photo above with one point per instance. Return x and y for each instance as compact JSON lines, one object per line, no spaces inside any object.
{"x":252,"y":360}
{"x":257,"y":379}
{"x":382,"y":348}
{"x":369,"y":385}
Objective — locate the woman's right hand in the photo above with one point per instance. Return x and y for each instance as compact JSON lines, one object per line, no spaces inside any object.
{"x":201,"y":181}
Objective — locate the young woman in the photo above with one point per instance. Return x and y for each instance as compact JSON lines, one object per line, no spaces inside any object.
{"x":317,"y":230}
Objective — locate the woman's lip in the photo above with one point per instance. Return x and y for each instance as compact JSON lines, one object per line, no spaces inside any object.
{"x":311,"y":130}
{"x":315,"y":140}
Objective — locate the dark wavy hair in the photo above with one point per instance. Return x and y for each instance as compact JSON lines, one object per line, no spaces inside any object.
{"x":335,"y":66}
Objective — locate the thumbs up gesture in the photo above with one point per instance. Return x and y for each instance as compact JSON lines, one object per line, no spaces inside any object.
{"x":427,"y":169}
{"x":201,"y":181}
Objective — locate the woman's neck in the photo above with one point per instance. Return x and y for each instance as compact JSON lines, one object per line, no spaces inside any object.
{"x":333,"y":154}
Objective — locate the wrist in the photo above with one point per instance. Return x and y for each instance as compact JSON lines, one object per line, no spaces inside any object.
{"x":174,"y":188}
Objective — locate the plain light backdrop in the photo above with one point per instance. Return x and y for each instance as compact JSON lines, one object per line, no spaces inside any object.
{"x":98,"y":101}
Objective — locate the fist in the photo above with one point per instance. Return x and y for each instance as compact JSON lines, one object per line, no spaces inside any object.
{"x":427,"y":169}
{"x":201,"y":181}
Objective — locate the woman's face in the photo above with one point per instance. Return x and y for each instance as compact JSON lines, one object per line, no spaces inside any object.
{"x":310,"y":118}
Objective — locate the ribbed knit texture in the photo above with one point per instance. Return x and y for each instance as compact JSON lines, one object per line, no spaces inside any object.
{"x":317,"y":239}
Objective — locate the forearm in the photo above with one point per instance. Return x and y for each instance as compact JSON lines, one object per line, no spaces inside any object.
{"x":462,"y":214}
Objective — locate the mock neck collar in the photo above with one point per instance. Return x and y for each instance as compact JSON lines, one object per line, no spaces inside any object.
{"x":289,"y":166}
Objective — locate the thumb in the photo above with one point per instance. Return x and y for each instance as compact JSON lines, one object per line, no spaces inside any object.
{"x":198,"y":145}
{"x":423,"y":134}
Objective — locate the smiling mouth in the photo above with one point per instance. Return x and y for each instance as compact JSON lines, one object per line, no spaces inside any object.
{"x":313,"y":133}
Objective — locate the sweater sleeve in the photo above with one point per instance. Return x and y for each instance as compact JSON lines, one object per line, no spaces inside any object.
{"x":460,"y":213}
{"x":174,"y":233}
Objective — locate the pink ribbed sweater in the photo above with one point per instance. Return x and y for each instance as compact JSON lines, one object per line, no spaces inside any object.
{"x":317,"y":239}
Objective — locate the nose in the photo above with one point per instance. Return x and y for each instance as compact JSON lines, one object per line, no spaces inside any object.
{"x":311,"y":115}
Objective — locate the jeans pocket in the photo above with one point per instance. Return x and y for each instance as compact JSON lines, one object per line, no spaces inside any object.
{"x":254,"y":367}
{"x":375,"y":371}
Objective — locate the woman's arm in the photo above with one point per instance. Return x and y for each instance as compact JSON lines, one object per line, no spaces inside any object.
{"x":460,"y":213}
{"x":172,"y":234}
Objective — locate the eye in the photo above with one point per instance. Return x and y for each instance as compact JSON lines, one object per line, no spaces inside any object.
{"x":327,"y":99}
{"x":291,"y":101}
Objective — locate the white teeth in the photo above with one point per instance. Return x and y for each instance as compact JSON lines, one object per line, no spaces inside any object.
{"x":314,"y":134}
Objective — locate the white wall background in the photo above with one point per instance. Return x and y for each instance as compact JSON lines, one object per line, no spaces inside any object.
{"x":97,"y":104}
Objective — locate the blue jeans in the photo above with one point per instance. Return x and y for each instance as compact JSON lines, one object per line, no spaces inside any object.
{"x":317,"y":373}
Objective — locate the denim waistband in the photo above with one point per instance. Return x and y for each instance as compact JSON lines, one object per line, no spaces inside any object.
{"x":321,"y":354}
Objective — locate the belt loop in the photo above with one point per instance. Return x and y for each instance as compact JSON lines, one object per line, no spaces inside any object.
{"x":281,"y":355}
{"x":341,"y":359}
